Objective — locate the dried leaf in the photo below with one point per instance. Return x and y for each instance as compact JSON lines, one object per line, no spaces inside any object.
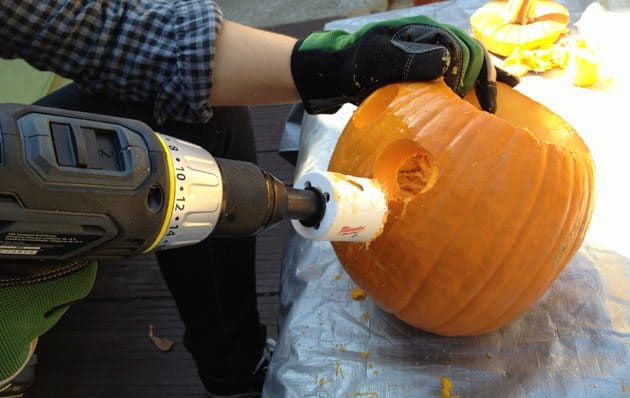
{"x":163,"y":344}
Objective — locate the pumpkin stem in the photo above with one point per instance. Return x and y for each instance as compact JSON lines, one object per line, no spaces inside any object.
{"x":521,"y":12}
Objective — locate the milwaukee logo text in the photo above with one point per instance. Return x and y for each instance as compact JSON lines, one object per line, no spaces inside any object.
{"x":351,"y":230}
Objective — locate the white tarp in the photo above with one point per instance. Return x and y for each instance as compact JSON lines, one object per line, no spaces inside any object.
{"x":574,"y":342}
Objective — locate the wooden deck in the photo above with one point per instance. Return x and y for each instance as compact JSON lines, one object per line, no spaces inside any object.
{"x":101,"y":347}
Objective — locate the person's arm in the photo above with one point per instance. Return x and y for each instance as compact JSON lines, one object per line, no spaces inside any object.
{"x":154,"y":51}
{"x":181,"y":57}
{"x":252,"y":67}
{"x":328,"y":69}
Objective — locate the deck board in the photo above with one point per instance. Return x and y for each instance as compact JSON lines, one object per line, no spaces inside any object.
{"x":101,"y":347}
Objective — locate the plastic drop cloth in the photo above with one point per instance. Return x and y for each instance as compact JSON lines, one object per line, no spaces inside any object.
{"x":575,"y":341}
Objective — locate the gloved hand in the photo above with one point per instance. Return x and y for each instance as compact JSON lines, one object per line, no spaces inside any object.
{"x":335,"y":67}
{"x":33,"y":297}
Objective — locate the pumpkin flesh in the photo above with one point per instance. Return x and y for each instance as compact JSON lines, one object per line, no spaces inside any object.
{"x":498,"y":207}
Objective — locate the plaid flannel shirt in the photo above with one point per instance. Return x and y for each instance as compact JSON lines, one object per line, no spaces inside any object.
{"x":156,"y":51}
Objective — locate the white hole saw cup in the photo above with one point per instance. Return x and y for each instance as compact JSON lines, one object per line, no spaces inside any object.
{"x":355,"y":211}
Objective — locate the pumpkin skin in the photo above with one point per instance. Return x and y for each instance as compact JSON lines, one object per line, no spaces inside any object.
{"x":528,"y":24}
{"x":497,"y":208}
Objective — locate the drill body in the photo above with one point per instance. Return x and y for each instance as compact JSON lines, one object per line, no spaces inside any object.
{"x":75,"y":184}
{"x":85,"y":185}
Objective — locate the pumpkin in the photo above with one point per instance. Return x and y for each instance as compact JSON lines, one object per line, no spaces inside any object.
{"x":484,"y":210}
{"x":528,"y":24}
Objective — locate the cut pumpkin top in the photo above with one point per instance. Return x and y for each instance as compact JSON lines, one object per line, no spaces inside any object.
{"x":504,"y":25}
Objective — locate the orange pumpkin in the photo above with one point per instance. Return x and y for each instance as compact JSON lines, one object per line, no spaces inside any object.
{"x":485,"y":210}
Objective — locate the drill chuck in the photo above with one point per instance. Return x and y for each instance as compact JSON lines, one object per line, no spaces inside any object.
{"x":193,"y":195}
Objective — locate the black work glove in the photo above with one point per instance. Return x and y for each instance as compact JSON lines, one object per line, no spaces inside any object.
{"x":335,"y":67}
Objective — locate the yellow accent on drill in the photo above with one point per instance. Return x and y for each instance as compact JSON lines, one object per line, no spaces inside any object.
{"x":170,"y":194}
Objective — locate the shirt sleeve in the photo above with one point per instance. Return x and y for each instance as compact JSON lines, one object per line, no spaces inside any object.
{"x":151,"y":51}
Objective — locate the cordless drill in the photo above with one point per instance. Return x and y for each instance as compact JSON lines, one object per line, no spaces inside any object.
{"x":76,"y":184}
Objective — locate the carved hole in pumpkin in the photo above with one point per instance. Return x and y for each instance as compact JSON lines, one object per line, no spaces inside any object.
{"x":405,"y":170}
{"x":417,"y":175}
{"x":374,"y":106}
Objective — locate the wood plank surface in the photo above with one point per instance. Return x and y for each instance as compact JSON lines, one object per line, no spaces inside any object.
{"x":102,"y":349}
{"x":140,"y":277}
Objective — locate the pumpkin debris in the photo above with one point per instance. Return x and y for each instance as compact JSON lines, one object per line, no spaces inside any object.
{"x":573,"y":54}
{"x":338,"y":370}
{"x":322,"y":381}
{"x":370,"y":394}
{"x":586,"y":63}
{"x":163,"y":344}
{"x":521,"y":61}
{"x":447,"y":386}
{"x":358,"y":294}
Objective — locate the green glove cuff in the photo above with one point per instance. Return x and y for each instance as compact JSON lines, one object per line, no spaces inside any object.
{"x":473,"y":58}
{"x":31,"y":307}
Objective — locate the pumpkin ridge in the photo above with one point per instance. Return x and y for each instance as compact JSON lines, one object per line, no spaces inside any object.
{"x":423,"y":111}
{"x":420,"y":283}
{"x":541,"y":266}
{"x":570,"y":229}
{"x":585,"y":209}
{"x":570,"y":252}
{"x":588,"y":203}
{"x":506,"y":255}
{"x":528,"y":290}
{"x":537,"y":273}
{"x":531,"y":288}
{"x":576,"y":154}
